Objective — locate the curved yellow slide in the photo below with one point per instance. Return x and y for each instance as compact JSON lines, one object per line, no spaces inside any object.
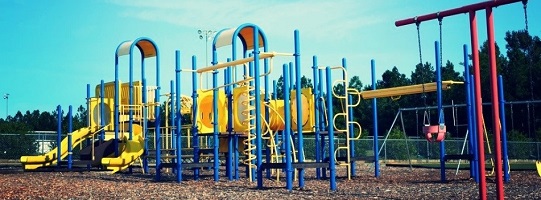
{"x":50,"y":158}
{"x":134,"y":149}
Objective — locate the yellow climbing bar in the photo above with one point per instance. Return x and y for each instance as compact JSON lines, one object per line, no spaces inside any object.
{"x":407,"y":90}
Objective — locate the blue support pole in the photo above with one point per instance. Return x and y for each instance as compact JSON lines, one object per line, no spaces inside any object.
{"x":215,"y":123}
{"x":88,"y":117}
{"x":332,"y":164}
{"x":230,"y":148}
{"x":287,"y":129}
{"x":322,"y":120}
{"x":130,"y":102}
{"x":298,"y":97}
{"x":195,"y":113}
{"x":156,"y":108}
{"x":267,"y":110}
{"x":440,"y":108}
{"x":468,"y":106}
{"x":117,"y":105}
{"x":70,"y":130}
{"x":58,"y":135}
{"x":257,"y":95}
{"x":375,"y":118}
{"x":102,"y":108}
{"x":474,"y":135}
{"x":316,"y":114}
{"x":145,"y":130}
{"x":350,"y":125}
{"x":504,"y":130}
{"x":253,"y":131}
{"x":172,"y":114}
{"x":178,"y":118}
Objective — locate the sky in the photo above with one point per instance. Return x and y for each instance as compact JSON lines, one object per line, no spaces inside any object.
{"x":52,"y":49}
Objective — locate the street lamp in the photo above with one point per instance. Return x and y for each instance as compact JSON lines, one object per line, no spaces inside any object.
{"x":6,"y":97}
{"x":206,"y":34}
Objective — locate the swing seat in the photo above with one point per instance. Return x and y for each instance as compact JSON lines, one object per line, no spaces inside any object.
{"x":431,"y":130}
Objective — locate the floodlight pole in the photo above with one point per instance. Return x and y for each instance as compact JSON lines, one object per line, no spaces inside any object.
{"x":6,"y":97}
{"x":206,"y":34}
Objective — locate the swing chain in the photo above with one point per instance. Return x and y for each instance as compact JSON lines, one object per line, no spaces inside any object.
{"x":417,"y":24}
{"x":440,"y":19}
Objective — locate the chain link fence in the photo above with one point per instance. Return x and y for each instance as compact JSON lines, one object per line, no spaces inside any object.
{"x":393,"y":149}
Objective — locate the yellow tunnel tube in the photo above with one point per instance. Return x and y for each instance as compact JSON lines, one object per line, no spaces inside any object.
{"x":276,"y":110}
{"x":204,"y":112}
{"x":307,"y":102}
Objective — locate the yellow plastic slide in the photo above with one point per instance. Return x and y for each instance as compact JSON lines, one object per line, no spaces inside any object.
{"x":134,"y":149}
{"x":34,"y":162}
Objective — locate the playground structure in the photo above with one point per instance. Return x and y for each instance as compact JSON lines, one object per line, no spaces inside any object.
{"x":245,"y":125}
{"x":123,"y":120}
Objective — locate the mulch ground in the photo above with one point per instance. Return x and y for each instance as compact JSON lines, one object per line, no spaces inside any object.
{"x":394,"y":183}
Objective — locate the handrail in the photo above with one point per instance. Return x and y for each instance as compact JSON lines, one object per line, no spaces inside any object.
{"x":238,"y":62}
{"x":241,"y":81}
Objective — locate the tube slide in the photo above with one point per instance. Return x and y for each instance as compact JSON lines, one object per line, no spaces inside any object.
{"x":134,"y":149}
{"x":50,"y":158}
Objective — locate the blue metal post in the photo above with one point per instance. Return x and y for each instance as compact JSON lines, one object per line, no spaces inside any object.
{"x":332,"y":164}
{"x":322,"y":120}
{"x":468,"y":106}
{"x":172,"y":114}
{"x":58,"y":135}
{"x":316,"y":114}
{"x":504,"y":130}
{"x":474,"y":135}
{"x":156,"y":108}
{"x":287,"y":130}
{"x":102,"y":108}
{"x":215,"y":123}
{"x":145,"y":130}
{"x":70,"y":132}
{"x":298,"y":97}
{"x":195,"y":113}
{"x":130,"y":102}
{"x":440,"y":108}
{"x":375,"y":118}
{"x":88,"y":117}
{"x":350,"y":118}
{"x":178,"y":118}
{"x":257,"y":95}
{"x":230,"y":148}
{"x":117,"y":105}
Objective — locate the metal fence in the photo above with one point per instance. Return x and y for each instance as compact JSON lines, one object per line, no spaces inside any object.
{"x":394,"y":149}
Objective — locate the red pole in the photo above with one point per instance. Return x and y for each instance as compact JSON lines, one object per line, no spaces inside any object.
{"x":478,"y":106}
{"x":455,"y":11}
{"x":495,"y":103}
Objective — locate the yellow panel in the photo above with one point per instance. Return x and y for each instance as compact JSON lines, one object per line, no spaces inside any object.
{"x":307,"y":101}
{"x":240,"y":98}
{"x":124,"y":98}
{"x":406,"y":90}
{"x":204,"y":112}
{"x":94,"y":112}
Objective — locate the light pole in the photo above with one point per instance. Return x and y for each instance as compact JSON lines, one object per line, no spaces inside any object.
{"x":6,"y":97}
{"x":206,"y":34}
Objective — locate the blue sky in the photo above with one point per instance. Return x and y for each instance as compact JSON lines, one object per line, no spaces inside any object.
{"x":52,"y":49}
